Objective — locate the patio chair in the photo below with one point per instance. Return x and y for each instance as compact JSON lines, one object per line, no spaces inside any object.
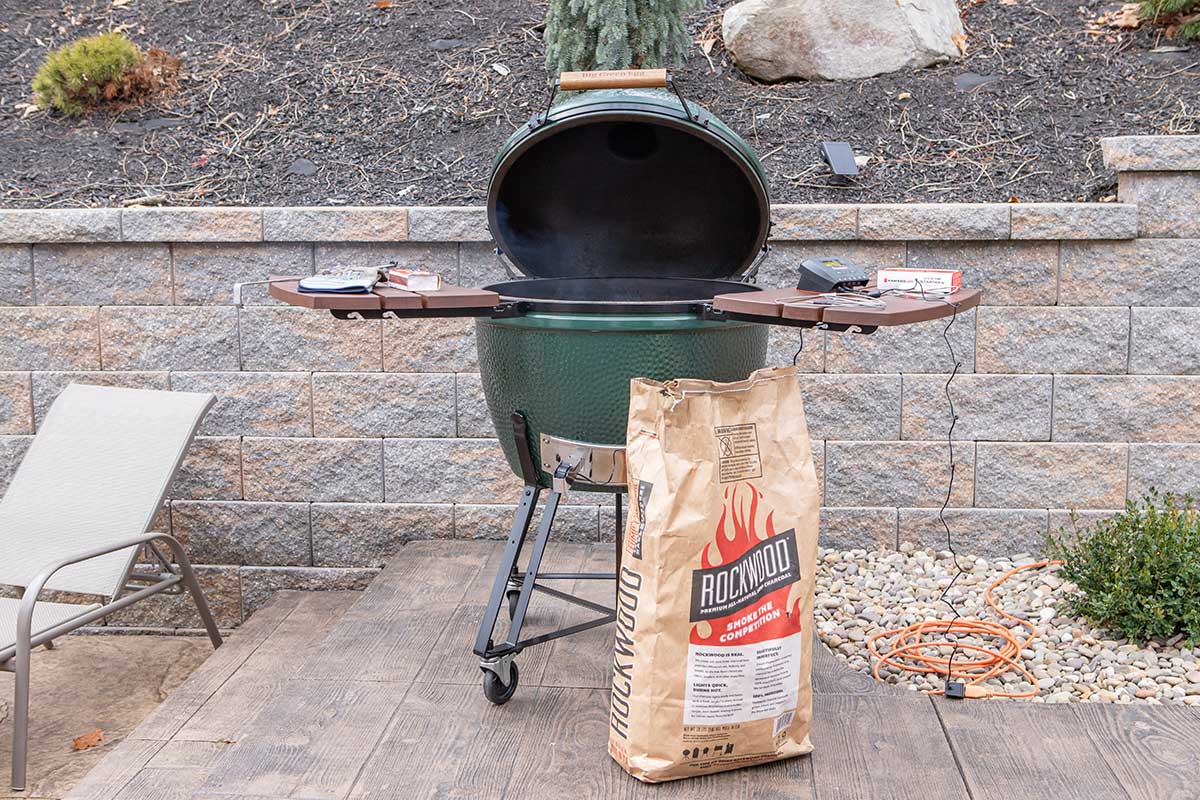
{"x":78,"y":513}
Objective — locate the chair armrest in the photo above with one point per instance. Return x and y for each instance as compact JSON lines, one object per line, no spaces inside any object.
{"x":30,"y":597}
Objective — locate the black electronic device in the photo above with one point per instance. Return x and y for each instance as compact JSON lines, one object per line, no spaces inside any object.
{"x":831,"y":274}
{"x":840,"y":157}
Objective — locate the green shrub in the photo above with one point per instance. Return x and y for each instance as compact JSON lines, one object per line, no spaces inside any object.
{"x":616,"y":34}
{"x":1184,"y":13}
{"x":1138,"y":571}
{"x":78,"y":75}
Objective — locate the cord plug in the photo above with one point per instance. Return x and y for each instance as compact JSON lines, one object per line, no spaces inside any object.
{"x":957,"y":690}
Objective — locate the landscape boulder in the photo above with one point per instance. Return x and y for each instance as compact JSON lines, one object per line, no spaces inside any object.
{"x":777,"y":39}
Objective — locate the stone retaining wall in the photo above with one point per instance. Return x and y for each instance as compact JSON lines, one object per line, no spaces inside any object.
{"x":334,"y":442}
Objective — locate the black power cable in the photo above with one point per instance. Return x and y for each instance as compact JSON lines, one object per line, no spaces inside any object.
{"x":953,"y":688}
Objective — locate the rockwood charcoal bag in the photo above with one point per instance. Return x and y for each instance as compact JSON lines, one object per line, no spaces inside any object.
{"x":715,"y":592}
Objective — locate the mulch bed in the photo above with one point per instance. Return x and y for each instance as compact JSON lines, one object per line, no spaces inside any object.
{"x":299,"y":102}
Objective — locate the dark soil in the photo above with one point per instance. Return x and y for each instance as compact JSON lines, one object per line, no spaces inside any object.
{"x":293,"y":102}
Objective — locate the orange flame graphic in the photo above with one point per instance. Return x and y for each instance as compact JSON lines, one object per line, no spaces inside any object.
{"x":737,"y":530}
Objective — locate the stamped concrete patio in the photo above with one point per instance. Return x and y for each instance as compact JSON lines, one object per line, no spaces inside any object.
{"x":339,"y":695}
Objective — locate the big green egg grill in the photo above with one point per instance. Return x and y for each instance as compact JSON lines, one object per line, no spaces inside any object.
{"x":625,"y":210}
{"x":630,"y":222}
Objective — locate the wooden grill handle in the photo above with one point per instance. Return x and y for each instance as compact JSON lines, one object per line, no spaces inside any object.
{"x":613,"y":79}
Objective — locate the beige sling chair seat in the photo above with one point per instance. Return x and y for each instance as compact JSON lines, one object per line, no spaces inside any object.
{"x":77,"y":514}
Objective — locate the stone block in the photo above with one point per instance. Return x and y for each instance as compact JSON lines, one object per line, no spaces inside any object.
{"x":473,"y":418}
{"x":1166,"y":467}
{"x":252,"y":403}
{"x":478,"y":264}
{"x":170,"y":337}
{"x":60,"y":225}
{"x":852,"y":406}
{"x":920,"y":347}
{"x":439,"y":257}
{"x":46,"y":386}
{"x":259,"y":583}
{"x":211,"y":470}
{"x":1074,"y":220}
{"x":1149,"y":153}
{"x":989,"y":407}
{"x":1142,"y":272}
{"x":243,"y":533}
{"x":12,"y":450}
{"x":814,"y":222}
{"x":383,"y":404}
{"x":102,"y":274}
{"x":332,"y":224}
{"x":16,"y":403}
{"x":16,"y":274}
{"x":370,"y":534}
{"x":49,"y":338}
{"x":448,"y":224}
{"x":1166,"y":203}
{"x":989,"y":532}
{"x":1009,"y":273}
{"x":1126,"y":408}
{"x":287,"y":338}
{"x":915,"y":221}
{"x":781,"y":267}
{"x":222,"y":591}
{"x":1163,"y":341}
{"x":854,"y":528}
{"x":207,"y":224}
{"x":897,"y":473}
{"x":429,"y":345}
{"x":1036,"y":339}
{"x":1050,"y":475}
{"x":206,"y":272}
{"x":447,"y":471}
{"x":320,"y":470}
{"x":804,"y":348}
{"x":1060,"y":519}
{"x":577,"y":523}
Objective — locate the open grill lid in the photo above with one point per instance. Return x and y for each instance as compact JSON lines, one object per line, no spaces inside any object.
{"x":625,"y":181}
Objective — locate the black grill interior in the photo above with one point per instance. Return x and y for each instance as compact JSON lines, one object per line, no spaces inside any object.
{"x":628,"y":197}
{"x":619,"y":290}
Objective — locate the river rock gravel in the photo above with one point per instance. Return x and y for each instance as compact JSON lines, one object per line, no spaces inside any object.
{"x":862,"y":592}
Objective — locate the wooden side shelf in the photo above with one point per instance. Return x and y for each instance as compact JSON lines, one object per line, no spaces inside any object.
{"x":775,"y":305}
{"x":386,"y":298}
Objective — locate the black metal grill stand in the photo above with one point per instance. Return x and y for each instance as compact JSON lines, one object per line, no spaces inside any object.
{"x":515,"y":587}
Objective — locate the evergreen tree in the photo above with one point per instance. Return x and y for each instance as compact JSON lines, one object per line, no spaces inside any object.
{"x":616,"y":34}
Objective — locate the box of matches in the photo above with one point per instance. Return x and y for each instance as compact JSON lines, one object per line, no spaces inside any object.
{"x":414,"y":280}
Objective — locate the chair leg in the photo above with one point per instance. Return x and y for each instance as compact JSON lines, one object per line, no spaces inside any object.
{"x":193,"y":585}
{"x":20,"y":745}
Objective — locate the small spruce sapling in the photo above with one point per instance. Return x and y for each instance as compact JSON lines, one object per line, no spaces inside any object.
{"x":1184,"y":13}
{"x":616,"y":34}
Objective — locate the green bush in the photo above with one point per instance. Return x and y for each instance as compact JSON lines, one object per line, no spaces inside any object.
{"x":616,"y":34}
{"x":1138,"y":571}
{"x":1184,"y":13}
{"x":78,"y":75}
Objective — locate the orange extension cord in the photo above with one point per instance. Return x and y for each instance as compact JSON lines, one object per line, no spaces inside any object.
{"x":908,"y":651}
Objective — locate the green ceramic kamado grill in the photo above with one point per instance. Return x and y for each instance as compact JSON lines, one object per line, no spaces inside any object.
{"x":631,"y":223}
{"x":625,"y":209}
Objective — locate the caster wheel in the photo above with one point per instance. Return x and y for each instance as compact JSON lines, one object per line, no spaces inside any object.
{"x":496,"y":691}
{"x":513,"y":596}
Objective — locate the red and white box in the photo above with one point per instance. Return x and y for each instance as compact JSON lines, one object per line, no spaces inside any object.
{"x":414,"y":280}
{"x":942,"y":281}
